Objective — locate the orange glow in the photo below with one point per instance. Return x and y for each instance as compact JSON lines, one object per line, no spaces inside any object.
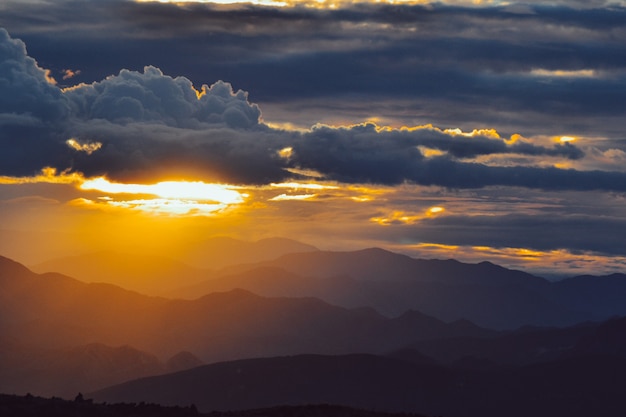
{"x":489,"y":133}
{"x":174,"y":197}
{"x":306,"y":186}
{"x":429,"y":152}
{"x":88,"y":148}
{"x":585,"y":73}
{"x":299,"y":197}
{"x":47,"y":175}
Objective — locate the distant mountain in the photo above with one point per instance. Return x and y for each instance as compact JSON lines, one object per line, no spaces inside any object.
{"x":362,"y":381}
{"x":508,"y":350}
{"x":569,"y":387}
{"x":66,"y":371}
{"x":599,"y":296}
{"x":391,"y":283}
{"x":375,"y":264}
{"x":219,"y":252}
{"x":486,"y":294}
{"x":52,"y":311}
{"x":152,"y":275}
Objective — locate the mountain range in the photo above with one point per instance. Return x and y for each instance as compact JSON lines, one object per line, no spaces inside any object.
{"x":369,"y":329}
{"x":486,"y":294}
{"x":579,"y":382}
{"x":53,"y":312}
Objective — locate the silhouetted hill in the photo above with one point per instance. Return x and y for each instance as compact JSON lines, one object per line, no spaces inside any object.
{"x":523,"y":347}
{"x":487,"y":294}
{"x":508,"y":350}
{"x":600,"y":296}
{"x":608,"y":338}
{"x":30,"y":406}
{"x":361,"y":381}
{"x":66,"y":371}
{"x":585,"y":386}
{"x":182,"y":361}
{"x":33,"y":406}
{"x":375,"y":264}
{"x":218,"y":252}
{"x":52,"y":311}
{"x":152,"y":275}
{"x":484,"y":293}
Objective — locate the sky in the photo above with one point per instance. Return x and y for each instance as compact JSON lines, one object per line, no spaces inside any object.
{"x":474,"y":130}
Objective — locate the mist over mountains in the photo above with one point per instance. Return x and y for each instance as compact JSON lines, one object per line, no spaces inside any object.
{"x":369,"y":329}
{"x":486,"y":294}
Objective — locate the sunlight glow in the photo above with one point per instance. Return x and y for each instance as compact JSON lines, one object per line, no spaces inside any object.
{"x":305,"y":186}
{"x":286,"y":153}
{"x":174,"y":197}
{"x":259,"y":2}
{"x":286,"y":197}
{"x":430,"y":152}
{"x":47,"y":175}
{"x":586,"y":73}
{"x":317,"y":4}
{"x":88,"y":148}
{"x":196,"y":190}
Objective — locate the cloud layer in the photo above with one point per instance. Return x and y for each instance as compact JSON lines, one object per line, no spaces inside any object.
{"x":535,"y":68}
{"x":146,"y":125}
{"x":513,"y":118}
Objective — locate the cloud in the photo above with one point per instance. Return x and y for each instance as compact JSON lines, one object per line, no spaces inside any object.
{"x":153,"y":97}
{"x":32,"y":111}
{"x":147,"y":125}
{"x":68,"y":73}
{"x":575,"y":233}
{"x":480,"y":73}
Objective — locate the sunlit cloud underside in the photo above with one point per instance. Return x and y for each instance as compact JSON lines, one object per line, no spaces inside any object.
{"x":172,"y":197}
{"x":302,"y":3}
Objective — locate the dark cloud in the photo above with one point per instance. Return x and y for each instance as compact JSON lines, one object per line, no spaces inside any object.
{"x":32,"y":110}
{"x":451,"y":65}
{"x":153,"y":97}
{"x":575,"y":233}
{"x":363,"y":155}
{"x":152,"y":125}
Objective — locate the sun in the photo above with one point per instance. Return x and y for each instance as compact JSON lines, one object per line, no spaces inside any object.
{"x":167,"y":197}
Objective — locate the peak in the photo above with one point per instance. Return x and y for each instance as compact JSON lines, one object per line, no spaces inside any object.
{"x":11,"y":267}
{"x":233,"y":294}
{"x":378,"y":251}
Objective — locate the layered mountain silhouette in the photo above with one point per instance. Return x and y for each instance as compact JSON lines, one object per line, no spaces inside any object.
{"x":66,"y":371}
{"x":581,"y":385}
{"x":158,"y":275}
{"x":52,"y":311}
{"x":219,"y":252}
{"x":484,"y":293}
{"x":487,"y":294}
{"x":369,"y":329}
{"x":152,"y":275}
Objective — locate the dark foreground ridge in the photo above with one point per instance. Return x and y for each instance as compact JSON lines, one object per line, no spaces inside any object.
{"x":31,"y":406}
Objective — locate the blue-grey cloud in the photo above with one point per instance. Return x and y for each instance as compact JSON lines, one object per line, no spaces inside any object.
{"x":148,"y":125}
{"x":451,"y":65}
{"x":32,"y":111}
{"x":152,"y":96}
{"x":574,"y":232}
